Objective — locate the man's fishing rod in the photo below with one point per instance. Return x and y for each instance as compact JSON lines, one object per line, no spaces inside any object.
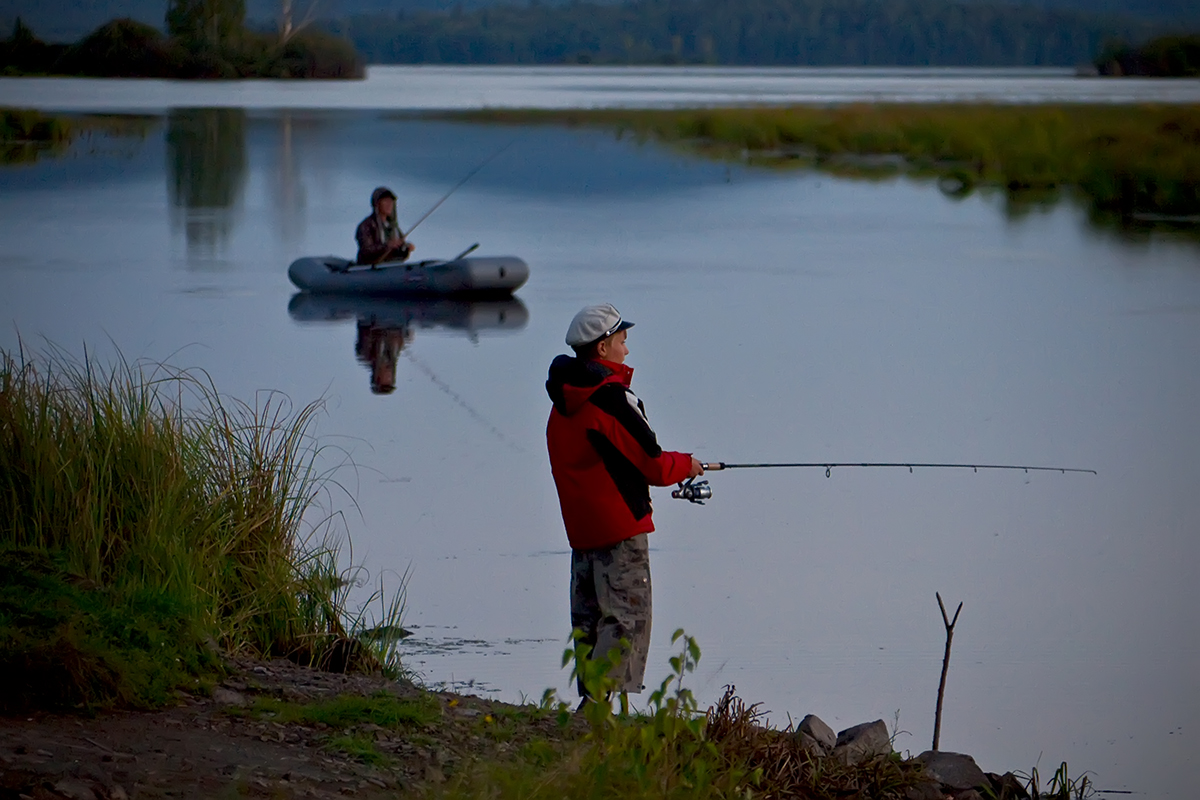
{"x":699,"y":491}
{"x":444,"y":198}
{"x":458,"y":186}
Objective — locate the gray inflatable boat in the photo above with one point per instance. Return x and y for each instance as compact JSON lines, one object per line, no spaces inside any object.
{"x":491,"y":275}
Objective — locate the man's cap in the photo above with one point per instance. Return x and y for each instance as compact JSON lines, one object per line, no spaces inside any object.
{"x":381,"y":192}
{"x":595,"y":323}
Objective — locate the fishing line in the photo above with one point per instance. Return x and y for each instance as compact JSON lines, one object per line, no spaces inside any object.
{"x":457,"y":398}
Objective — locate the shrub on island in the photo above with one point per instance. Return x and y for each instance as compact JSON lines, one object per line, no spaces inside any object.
{"x":123,"y":48}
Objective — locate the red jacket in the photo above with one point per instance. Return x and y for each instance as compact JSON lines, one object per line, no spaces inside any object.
{"x":603,"y":454}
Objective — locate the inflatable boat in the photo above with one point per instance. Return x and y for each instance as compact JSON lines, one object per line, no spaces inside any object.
{"x":479,"y":276}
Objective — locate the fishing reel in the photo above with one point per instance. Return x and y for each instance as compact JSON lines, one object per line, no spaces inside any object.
{"x":693,"y":491}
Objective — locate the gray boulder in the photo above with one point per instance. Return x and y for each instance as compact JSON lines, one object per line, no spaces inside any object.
{"x":925,"y":790}
{"x":815,"y":736}
{"x":1007,"y":786}
{"x":810,"y":745}
{"x":863,"y":742}
{"x":954,"y":771}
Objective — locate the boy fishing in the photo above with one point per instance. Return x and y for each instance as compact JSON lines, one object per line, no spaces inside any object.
{"x":604,"y":457}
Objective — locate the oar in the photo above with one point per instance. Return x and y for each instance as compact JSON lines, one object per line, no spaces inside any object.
{"x":466,"y":252}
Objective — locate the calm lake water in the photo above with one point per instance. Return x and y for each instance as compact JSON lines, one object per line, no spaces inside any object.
{"x":448,"y":87}
{"x":780,"y":316}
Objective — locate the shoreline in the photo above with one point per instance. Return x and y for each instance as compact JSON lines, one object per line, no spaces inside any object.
{"x":273,"y":728}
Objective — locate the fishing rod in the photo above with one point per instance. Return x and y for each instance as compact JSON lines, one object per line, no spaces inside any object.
{"x":698,"y":491}
{"x":444,"y":198}
{"x":459,"y":185}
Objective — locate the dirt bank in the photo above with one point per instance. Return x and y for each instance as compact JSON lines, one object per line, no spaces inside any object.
{"x":233,"y":744}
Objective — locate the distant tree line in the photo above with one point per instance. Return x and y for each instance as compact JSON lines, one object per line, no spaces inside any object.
{"x":205,"y":39}
{"x":70,"y":20}
{"x":1164,"y":57}
{"x":1171,"y":12}
{"x":760,"y":32}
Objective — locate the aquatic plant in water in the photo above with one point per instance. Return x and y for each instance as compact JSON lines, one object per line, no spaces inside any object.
{"x":1128,"y":161}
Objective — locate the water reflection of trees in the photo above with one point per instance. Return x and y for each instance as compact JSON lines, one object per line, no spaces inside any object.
{"x":206,"y":160}
{"x":1021,"y":203}
{"x":289,"y":197}
{"x":1016,"y":202}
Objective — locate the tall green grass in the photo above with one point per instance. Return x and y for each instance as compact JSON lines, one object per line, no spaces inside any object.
{"x":148,"y":523}
{"x":1125,"y":159}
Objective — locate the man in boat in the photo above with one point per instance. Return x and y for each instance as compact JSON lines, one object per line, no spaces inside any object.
{"x":379,"y":236}
{"x":604,"y":457}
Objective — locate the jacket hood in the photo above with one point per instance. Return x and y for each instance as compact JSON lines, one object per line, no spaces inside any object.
{"x":572,"y":381}
{"x":381,"y":191}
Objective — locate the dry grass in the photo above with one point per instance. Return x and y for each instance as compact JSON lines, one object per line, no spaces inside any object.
{"x":778,"y":766}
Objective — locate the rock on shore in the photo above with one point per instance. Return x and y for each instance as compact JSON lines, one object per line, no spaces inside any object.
{"x":950,"y":775}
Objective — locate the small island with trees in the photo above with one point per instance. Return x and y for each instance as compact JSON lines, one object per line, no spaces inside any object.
{"x":204,"y":39}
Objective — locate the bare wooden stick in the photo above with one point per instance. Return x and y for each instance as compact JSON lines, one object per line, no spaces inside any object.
{"x":949,"y":623}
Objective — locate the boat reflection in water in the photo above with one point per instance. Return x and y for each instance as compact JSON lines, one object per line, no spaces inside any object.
{"x":385,"y":325}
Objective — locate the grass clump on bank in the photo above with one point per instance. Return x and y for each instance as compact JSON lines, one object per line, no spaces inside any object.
{"x":1127,"y":161}
{"x":382,"y":709}
{"x":354,"y":719}
{"x":147,"y":525}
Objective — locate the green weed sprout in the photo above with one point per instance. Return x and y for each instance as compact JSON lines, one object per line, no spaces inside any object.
{"x":1061,"y":786}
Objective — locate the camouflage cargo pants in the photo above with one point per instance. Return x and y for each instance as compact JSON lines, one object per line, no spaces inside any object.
{"x":610,"y":601}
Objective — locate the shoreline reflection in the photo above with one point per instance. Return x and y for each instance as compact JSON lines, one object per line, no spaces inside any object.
{"x":384,"y":326}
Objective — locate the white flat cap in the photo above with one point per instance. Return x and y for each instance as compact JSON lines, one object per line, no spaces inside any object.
{"x":595,"y":323}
